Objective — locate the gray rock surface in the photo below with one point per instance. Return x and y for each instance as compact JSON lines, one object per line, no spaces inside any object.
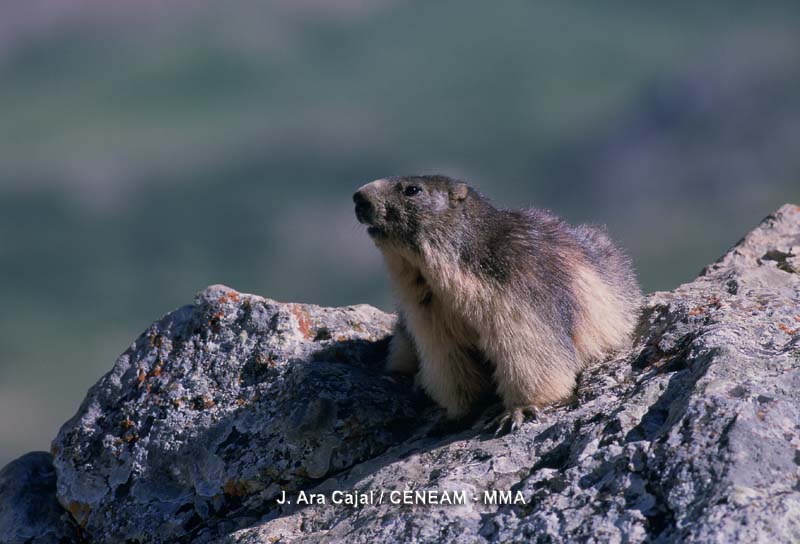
{"x":218,"y":406}
{"x":29,"y":511}
{"x":692,"y":436}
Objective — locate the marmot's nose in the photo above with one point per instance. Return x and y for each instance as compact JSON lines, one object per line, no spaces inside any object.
{"x":363,"y":207}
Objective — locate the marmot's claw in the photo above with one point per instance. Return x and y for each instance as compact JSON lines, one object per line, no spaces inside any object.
{"x":511,"y":420}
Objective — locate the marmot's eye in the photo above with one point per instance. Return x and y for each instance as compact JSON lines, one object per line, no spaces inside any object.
{"x":411,"y":190}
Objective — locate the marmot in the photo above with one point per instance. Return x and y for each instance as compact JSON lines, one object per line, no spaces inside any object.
{"x":517,"y":300}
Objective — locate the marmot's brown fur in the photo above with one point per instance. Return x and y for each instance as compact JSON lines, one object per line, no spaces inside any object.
{"x":512,"y":299}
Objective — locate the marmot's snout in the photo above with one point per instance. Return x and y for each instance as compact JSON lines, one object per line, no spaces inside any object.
{"x":365,"y":211}
{"x":370,"y":208}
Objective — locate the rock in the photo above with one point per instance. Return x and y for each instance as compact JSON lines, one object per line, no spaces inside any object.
{"x":218,"y":406}
{"x":693,"y":435}
{"x":29,"y":511}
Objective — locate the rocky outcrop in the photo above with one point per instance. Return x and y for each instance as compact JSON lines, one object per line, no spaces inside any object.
{"x":219,"y":406}
{"x":222,"y":409}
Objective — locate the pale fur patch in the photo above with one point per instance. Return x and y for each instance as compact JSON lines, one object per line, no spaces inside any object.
{"x":604,"y":325}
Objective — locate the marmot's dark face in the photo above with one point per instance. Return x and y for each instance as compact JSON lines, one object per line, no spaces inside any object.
{"x":405,"y":210}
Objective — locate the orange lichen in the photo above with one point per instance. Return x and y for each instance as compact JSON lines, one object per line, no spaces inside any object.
{"x":215,"y":320}
{"x":303,"y":321}
{"x":241,"y":488}
{"x":231,"y":296}
{"x":787,"y":329}
{"x":203,"y":402}
{"x":236,"y":488}
{"x":80,"y":512}
{"x":266,"y":360}
{"x":712,"y":302}
{"x":156,"y":370}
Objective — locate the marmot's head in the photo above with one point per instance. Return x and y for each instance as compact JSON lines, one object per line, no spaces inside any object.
{"x":404,"y":210}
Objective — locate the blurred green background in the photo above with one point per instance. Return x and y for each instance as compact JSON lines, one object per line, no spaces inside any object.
{"x":149,"y":149}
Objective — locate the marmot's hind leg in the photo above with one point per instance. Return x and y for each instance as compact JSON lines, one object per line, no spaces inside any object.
{"x":534,"y":379}
{"x":534,"y":367}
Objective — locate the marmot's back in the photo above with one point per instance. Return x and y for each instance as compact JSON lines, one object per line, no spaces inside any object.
{"x":614,"y":266}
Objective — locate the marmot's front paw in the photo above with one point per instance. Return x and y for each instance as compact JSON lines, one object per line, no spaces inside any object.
{"x":511,"y":420}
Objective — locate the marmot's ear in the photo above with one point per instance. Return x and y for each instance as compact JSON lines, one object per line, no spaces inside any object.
{"x":459,"y":191}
